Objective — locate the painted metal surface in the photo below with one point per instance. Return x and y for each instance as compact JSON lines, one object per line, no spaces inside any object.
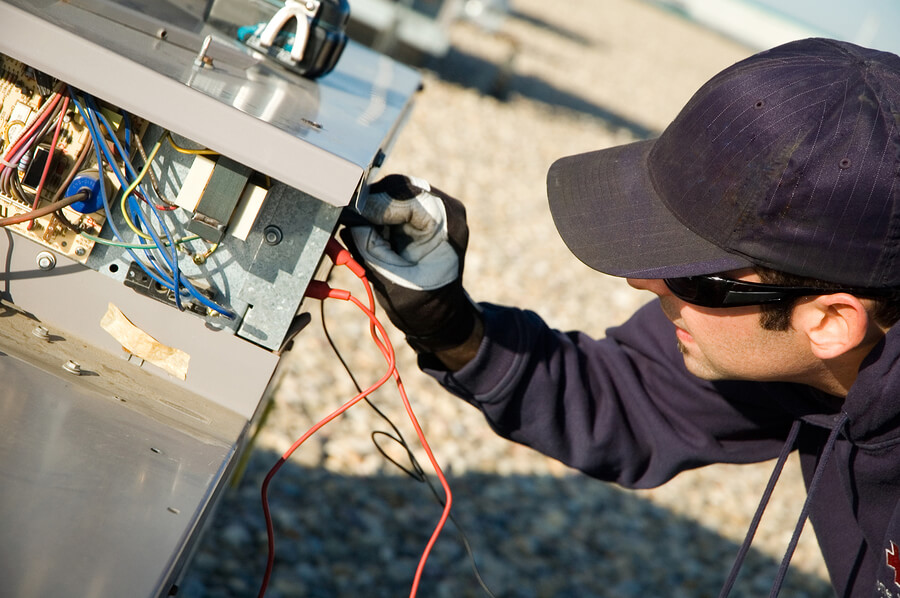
{"x":320,"y":137}
{"x":106,"y":474}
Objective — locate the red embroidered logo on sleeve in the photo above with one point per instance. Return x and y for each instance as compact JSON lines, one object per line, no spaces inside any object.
{"x":893,"y":561}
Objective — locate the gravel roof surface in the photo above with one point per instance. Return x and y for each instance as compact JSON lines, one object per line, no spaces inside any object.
{"x":580,"y":76}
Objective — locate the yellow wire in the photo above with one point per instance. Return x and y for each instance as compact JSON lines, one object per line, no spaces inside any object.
{"x":135,"y":245}
{"x":184,"y":150}
{"x":133,"y":186}
{"x":128,"y":191}
{"x":201,"y":258}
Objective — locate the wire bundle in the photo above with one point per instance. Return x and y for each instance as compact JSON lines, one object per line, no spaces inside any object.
{"x":160,"y":260}
{"x":160,"y":254}
{"x":50,"y":115}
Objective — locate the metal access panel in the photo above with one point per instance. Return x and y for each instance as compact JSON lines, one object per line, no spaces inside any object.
{"x":126,"y":404}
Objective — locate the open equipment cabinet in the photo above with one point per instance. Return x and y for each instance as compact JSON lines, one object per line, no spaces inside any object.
{"x":136,"y":364}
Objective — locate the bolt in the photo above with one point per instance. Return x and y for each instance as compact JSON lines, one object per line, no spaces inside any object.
{"x":72,"y":367}
{"x":46,"y":260}
{"x":42,"y":333}
{"x":202,"y":60}
{"x":272,"y":235}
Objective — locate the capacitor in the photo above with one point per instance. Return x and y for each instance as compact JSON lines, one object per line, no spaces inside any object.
{"x":86,"y":180}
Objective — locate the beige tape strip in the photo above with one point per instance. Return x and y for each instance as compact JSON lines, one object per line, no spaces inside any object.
{"x":141,"y":344}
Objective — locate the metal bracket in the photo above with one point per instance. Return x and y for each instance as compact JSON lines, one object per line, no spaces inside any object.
{"x":304,"y":13}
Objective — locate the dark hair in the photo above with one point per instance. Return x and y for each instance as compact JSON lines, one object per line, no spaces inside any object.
{"x":777,"y":316}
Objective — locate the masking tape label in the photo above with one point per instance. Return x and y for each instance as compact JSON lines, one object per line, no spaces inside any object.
{"x":139,"y":343}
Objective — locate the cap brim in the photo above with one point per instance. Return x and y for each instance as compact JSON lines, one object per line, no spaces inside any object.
{"x":610,"y":216}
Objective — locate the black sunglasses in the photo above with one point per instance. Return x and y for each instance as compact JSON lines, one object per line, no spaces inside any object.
{"x":716,"y":291}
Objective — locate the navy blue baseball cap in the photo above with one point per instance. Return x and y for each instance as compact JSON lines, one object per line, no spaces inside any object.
{"x":789,"y":159}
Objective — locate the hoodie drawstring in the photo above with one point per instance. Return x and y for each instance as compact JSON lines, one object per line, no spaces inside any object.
{"x":817,"y":476}
{"x":804,"y":513}
{"x":757,"y":517}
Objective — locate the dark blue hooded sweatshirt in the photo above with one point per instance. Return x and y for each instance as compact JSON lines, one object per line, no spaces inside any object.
{"x":626,"y":410}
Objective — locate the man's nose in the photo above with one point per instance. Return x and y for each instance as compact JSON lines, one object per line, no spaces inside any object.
{"x":654,"y":285}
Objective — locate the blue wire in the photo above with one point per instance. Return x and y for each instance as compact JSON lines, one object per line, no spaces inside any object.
{"x":133,"y":202}
{"x":126,"y":120}
{"x":95,"y":130}
{"x":99,"y":118}
{"x":94,"y":127}
{"x":97,"y":148}
{"x":134,"y":205}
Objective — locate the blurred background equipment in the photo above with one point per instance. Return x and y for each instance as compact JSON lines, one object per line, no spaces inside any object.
{"x":763,"y":24}
{"x":413,"y":31}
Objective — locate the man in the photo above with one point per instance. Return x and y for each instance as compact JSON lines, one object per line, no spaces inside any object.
{"x":766,"y":218}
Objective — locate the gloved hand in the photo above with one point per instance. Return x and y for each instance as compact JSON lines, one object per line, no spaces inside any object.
{"x":413,"y":253}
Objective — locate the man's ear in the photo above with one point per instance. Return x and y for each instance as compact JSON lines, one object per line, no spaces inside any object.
{"x":834,"y":324}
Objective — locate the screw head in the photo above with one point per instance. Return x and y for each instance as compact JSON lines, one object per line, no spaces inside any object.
{"x":72,"y":367}
{"x":46,"y":260}
{"x":41,"y":332}
{"x":80,"y":251}
{"x":272,"y":235}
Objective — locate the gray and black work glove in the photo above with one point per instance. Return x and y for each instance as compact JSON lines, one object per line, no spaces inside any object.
{"x":413,"y":253}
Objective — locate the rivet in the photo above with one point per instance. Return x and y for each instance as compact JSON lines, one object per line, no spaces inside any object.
{"x":42,"y":333}
{"x":845,"y":164}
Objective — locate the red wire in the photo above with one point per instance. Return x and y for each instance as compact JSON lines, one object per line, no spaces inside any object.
{"x":265,"y":485}
{"x":448,"y":501}
{"x":40,"y":187}
{"x":415,"y":422}
{"x":341,"y":256}
{"x":34,"y":126}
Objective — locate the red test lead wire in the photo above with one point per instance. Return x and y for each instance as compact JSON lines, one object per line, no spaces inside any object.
{"x":320,"y":290}
{"x":342,"y":257}
{"x":317,"y":290}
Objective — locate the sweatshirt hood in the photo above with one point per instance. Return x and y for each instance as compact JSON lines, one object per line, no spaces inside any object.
{"x":872,"y":404}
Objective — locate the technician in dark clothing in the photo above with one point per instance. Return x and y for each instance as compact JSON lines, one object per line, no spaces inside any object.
{"x":766,"y":218}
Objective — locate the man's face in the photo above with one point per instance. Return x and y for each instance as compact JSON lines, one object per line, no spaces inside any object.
{"x":729,"y":343}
